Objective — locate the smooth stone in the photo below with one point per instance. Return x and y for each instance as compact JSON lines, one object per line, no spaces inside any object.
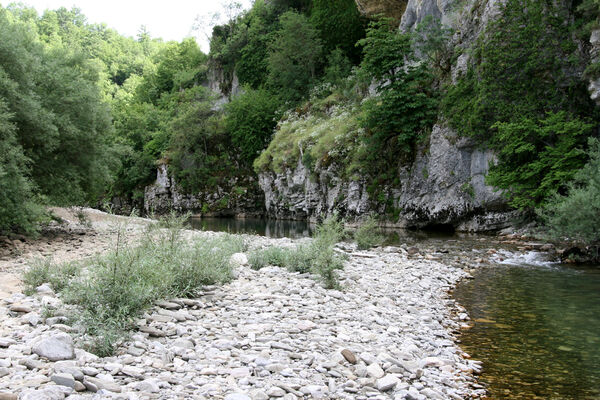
{"x":148,"y":385}
{"x":375,"y":371}
{"x":48,"y":393}
{"x":79,"y":387}
{"x":55,"y":348}
{"x":20,"y":308}
{"x":238,"y":260}
{"x":102,"y":384}
{"x":275,"y":392}
{"x":63,"y":379}
{"x":6,"y":342}
{"x":237,"y":396}
{"x":8,"y":396}
{"x":349,"y":356}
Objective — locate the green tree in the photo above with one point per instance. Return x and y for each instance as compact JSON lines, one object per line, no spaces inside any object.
{"x":293,"y":57}
{"x":536,"y":158}
{"x":340,"y":25}
{"x":200,"y":150}
{"x":338,"y":67}
{"x":61,"y":122}
{"x":577,"y":215}
{"x":17,"y":210}
{"x":250,"y":119}
{"x":405,"y":106}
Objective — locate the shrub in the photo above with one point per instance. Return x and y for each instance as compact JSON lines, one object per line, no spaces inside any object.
{"x":44,"y":271}
{"x":317,"y":257}
{"x":367,"y":235}
{"x":250,"y":120}
{"x":114,"y":289}
{"x":576,"y":216}
{"x":269,"y":256}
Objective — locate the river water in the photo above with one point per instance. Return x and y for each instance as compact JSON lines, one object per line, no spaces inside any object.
{"x":535,"y":323}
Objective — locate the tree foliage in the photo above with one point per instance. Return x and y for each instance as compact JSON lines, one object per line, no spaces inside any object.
{"x":55,"y":121}
{"x":294,"y":56}
{"x":520,"y":98}
{"x":251,"y":119}
{"x":340,"y":25}
{"x":405,"y":106}
{"x":577,"y":215}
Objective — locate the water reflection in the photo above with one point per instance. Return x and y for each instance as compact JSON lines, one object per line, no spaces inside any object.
{"x":269,"y":228}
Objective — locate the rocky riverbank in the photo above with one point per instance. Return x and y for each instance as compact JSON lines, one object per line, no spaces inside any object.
{"x":268,"y":334}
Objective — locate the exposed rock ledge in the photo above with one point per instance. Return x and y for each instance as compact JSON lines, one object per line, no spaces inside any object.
{"x":445,"y":185}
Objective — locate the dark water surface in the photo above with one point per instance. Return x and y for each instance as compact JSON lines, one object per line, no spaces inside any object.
{"x":263,"y":227}
{"x":536,"y":325}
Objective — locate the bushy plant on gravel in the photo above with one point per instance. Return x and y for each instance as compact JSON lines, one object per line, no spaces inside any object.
{"x":110,"y":291}
{"x":368,"y":235}
{"x":318,"y":257}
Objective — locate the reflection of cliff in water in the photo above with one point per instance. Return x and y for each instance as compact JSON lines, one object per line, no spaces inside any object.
{"x":269,"y":228}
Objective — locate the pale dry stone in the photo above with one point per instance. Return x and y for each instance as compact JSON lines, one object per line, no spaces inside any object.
{"x":55,"y":348}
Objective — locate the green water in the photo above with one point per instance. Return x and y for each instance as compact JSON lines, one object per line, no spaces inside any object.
{"x":536,"y":329}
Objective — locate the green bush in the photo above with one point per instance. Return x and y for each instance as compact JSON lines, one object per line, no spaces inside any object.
{"x":317,"y":257}
{"x":405,"y":107}
{"x":250,"y":119}
{"x":576,"y":216}
{"x":270,"y":256}
{"x":112,"y":290}
{"x":44,"y":271}
{"x":368,"y":235}
{"x":538,"y":157}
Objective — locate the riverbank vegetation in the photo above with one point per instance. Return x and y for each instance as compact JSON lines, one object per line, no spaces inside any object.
{"x":317,"y":257}
{"x":110,"y":291}
{"x":87,"y":114}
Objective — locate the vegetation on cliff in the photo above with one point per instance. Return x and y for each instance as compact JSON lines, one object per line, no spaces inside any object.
{"x":86,"y":114}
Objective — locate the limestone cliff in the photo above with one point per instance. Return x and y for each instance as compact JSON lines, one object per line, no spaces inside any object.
{"x":240,"y":197}
{"x":389,"y":8}
{"x":445,"y":185}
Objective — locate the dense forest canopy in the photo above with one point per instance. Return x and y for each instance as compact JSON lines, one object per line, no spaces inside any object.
{"x":86,"y":114}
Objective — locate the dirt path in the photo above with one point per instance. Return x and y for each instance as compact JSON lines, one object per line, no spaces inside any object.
{"x":73,"y":239}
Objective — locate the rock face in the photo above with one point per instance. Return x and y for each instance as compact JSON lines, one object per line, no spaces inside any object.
{"x":240,"y":198}
{"x":389,"y":8}
{"x":445,"y":185}
{"x":594,"y":86}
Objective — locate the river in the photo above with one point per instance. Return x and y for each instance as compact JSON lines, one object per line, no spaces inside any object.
{"x":535,"y":323}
